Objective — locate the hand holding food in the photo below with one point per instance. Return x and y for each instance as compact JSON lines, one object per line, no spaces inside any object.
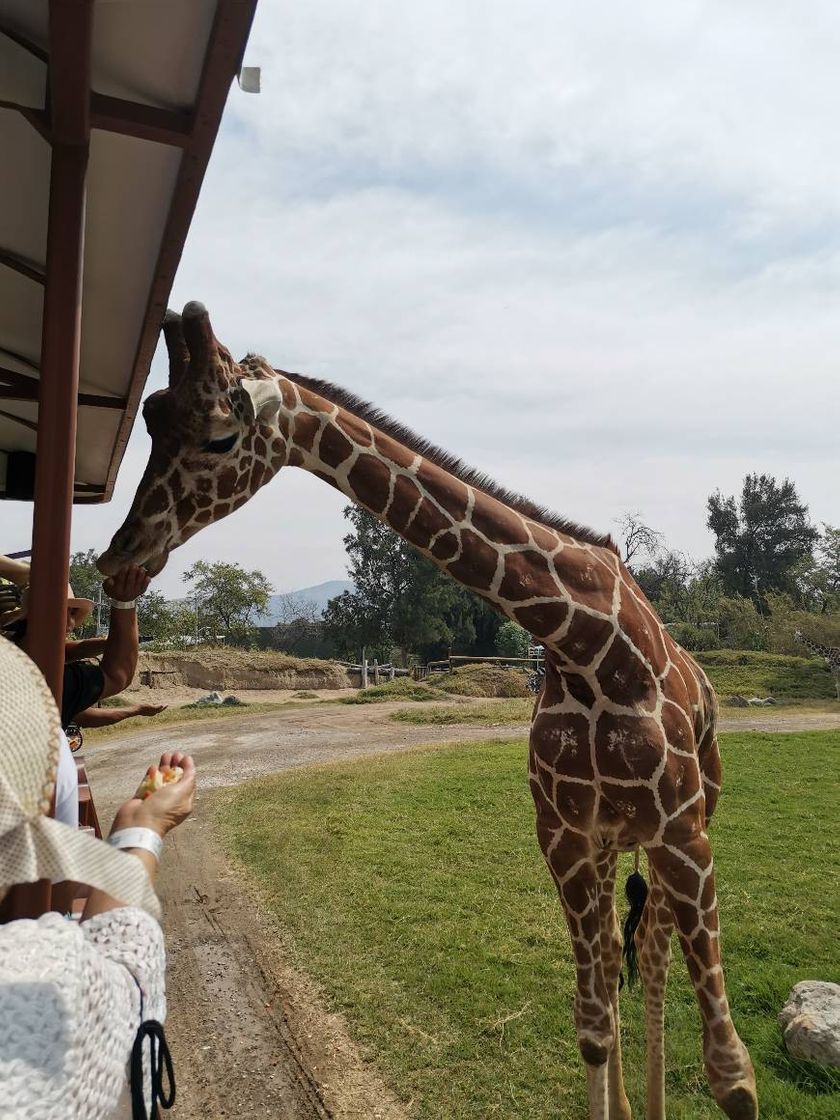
{"x":157,"y":777}
{"x":165,"y":797}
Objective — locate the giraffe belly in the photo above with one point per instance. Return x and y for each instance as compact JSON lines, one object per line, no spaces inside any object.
{"x":613,"y":779}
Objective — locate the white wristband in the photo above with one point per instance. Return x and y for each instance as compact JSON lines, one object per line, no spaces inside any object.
{"x":123,"y":605}
{"x":145,"y":838}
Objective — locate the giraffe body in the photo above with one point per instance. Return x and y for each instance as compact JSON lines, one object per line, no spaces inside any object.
{"x":623,"y":752}
{"x":830,"y":654}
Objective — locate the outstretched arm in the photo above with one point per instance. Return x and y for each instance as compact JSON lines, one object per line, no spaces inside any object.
{"x":104,"y":717}
{"x":119,"y":656}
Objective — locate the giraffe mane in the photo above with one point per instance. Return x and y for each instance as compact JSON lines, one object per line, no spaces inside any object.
{"x":447,"y":461}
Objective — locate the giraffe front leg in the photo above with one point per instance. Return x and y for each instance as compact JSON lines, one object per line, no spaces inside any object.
{"x":573,"y":866}
{"x":611,"y":960}
{"x":686,"y":873}
{"x":653,"y":942}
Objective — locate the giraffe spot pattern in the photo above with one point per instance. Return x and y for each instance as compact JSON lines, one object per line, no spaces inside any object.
{"x":499,"y":524}
{"x":406,"y":498}
{"x":392,"y":451}
{"x":477,"y":564}
{"x":370,"y":476}
{"x":426,"y":523}
{"x":451,"y":493}
{"x":306,"y":428}
{"x":335,"y":447}
{"x":527,"y":576}
{"x":542,"y":618}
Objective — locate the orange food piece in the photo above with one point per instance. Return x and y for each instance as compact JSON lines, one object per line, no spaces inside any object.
{"x":158,"y":777}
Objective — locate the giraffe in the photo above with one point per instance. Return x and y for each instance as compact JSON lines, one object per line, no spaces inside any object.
{"x":623,"y":751}
{"x":830,"y":654}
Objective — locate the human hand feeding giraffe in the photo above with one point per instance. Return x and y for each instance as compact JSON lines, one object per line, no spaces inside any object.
{"x":623,"y":749}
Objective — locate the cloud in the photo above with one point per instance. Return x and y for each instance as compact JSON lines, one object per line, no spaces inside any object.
{"x":594,"y":250}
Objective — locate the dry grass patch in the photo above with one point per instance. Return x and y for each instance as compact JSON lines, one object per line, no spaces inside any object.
{"x":482,"y":680}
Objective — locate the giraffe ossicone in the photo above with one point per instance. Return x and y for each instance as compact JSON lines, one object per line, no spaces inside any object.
{"x":623,"y":750}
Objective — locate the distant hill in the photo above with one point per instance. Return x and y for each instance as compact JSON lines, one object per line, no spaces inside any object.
{"x":320,"y":595}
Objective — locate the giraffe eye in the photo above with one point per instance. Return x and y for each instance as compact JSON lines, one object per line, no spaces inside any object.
{"x":219,"y":446}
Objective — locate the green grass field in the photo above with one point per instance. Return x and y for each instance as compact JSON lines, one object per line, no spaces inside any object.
{"x":412,"y":887}
{"x":750,"y":673}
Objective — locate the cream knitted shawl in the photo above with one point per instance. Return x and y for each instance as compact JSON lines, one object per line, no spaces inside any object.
{"x":70,"y":1009}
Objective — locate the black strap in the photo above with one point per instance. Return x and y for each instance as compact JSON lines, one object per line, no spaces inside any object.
{"x":159,"y":1060}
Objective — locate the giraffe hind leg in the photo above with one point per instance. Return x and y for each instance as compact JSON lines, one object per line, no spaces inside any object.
{"x":611,"y":956}
{"x":686,"y":874}
{"x":653,"y":944}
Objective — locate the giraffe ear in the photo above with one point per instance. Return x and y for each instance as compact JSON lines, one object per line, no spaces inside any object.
{"x":264,"y":397}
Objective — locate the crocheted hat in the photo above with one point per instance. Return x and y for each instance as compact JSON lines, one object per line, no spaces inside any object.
{"x":33,"y":846}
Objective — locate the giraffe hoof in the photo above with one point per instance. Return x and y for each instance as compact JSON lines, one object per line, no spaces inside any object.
{"x":740,"y":1103}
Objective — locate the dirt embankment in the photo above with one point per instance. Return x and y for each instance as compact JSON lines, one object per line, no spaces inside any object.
{"x":231,"y":669}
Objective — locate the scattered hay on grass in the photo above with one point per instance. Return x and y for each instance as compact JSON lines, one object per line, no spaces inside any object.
{"x":483,"y":680}
{"x":403,"y":688}
{"x":493,"y":713}
{"x":304,"y":694}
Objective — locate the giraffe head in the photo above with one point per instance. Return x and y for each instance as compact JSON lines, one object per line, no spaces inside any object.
{"x":215,"y":441}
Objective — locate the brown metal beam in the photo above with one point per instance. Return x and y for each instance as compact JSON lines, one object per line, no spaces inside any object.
{"x":22,"y":388}
{"x":221,"y":64}
{"x":36,"y":117}
{"x":33,"y":427}
{"x":145,"y":122}
{"x":17,"y":36}
{"x":71,"y":24}
{"x":22,"y":265}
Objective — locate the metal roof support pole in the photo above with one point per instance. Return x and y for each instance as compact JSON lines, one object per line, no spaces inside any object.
{"x":69,"y":74}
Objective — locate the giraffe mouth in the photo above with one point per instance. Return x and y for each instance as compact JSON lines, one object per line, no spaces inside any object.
{"x":112,"y":561}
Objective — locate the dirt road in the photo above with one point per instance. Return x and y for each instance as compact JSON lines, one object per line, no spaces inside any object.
{"x":250,"y":1036}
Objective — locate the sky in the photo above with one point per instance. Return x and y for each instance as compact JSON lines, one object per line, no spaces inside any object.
{"x":593,"y":249}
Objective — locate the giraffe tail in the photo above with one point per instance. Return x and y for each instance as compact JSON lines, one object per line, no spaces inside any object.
{"x":636,"y":892}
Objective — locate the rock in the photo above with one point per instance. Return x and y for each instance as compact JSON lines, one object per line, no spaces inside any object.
{"x":738,"y":702}
{"x":206,"y":701}
{"x":810,"y":1022}
{"x":758,"y":702}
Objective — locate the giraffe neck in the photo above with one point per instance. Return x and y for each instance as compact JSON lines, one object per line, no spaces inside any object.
{"x":830,"y":653}
{"x":565,"y":592}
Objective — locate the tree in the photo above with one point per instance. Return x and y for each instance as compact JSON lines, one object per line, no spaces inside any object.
{"x":298,"y":628}
{"x":667,"y":574}
{"x":228,"y":598}
{"x":760,"y":538}
{"x":86,"y":581}
{"x":637,"y":539}
{"x":157,"y":619}
{"x":401,"y":600}
{"x":512,"y":640}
